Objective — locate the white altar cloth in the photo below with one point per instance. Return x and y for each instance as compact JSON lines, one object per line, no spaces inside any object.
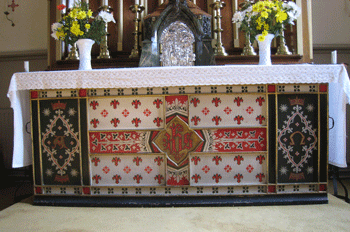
{"x":335,"y":75}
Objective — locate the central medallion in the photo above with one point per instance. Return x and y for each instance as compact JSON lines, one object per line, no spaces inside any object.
{"x":177,"y":140}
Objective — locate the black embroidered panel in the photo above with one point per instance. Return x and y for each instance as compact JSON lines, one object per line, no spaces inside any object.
{"x":60,"y":146}
{"x":297,"y":138}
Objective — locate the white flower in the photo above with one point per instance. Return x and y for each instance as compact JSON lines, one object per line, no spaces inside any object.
{"x":54,"y":35}
{"x":237,"y":17}
{"x":249,"y":9}
{"x":293,"y":11}
{"x":107,"y":17}
{"x":55,"y":26}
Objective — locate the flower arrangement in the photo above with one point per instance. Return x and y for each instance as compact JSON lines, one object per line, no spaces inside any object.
{"x":265,"y":17}
{"x":79,"y":23}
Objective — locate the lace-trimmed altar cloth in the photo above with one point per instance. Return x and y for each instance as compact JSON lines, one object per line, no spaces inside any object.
{"x":335,"y":75}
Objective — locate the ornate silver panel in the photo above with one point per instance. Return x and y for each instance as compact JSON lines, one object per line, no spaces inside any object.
{"x":177,"y":45}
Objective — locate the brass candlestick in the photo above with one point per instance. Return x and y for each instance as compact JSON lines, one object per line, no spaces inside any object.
{"x":248,"y":49}
{"x":73,"y":53}
{"x":137,"y":9}
{"x":283,"y":48}
{"x":219,"y":47}
{"x":104,"y":52}
{"x":73,"y":50}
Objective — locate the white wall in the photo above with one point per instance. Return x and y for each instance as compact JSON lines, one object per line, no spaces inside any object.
{"x":31,"y":26}
{"x":331,"y":22}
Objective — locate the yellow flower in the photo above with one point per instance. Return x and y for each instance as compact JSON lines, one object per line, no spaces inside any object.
{"x":89,"y":13}
{"x":281,"y":16}
{"x":60,"y":34}
{"x":264,"y":14}
{"x":73,"y":13}
{"x":261,"y":38}
{"x":266,"y":26}
{"x":264,"y":33}
{"x":261,"y":6}
{"x":87,"y":26}
{"x":81,"y":15}
{"x":75,"y":29}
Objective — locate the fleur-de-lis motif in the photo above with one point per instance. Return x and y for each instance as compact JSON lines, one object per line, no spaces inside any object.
{"x":158,"y":160}
{"x":217,"y":120}
{"x":260,"y":158}
{"x":94,"y":122}
{"x":217,"y":178}
{"x":95,"y":160}
{"x":94,"y":104}
{"x":159,"y":178}
{"x":195,"y":160}
{"x":137,"y":160}
{"x":238,"y":100}
{"x":195,"y":119}
{"x":114,"y":103}
{"x":115,"y":122}
{"x":116,"y":160}
{"x":238,"y":118}
{"x":157,"y":102}
{"x":238,"y":177}
{"x":138,"y":178}
{"x":260,"y":176}
{"x":260,"y":100}
{"x":96,"y":178}
{"x":136,"y":121}
{"x":196,"y":177}
{"x":216,"y":101}
{"x":260,"y":118}
{"x":217,"y":159}
{"x":158,"y":121}
{"x":195,"y":101}
{"x":117,"y":178}
{"x":239,"y":159}
{"x":136,"y":103}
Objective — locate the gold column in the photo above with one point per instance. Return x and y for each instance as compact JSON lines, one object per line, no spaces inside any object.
{"x":235,"y":33}
{"x":73,"y":50}
{"x":248,"y":49}
{"x":283,"y":48}
{"x":137,"y":9}
{"x":120,"y":26}
{"x":104,"y":52}
{"x":219,"y":47}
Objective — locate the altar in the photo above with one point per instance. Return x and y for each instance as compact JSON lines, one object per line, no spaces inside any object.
{"x":175,"y":136}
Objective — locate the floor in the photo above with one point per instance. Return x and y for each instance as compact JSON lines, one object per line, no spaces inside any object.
{"x":18,"y":188}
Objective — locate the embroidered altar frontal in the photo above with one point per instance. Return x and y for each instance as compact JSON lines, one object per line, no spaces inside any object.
{"x":204,"y":145}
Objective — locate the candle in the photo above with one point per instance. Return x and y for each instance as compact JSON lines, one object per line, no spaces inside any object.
{"x":26,"y":66}
{"x":64,"y":2}
{"x":137,"y":2}
{"x":70,"y":4}
{"x":105,"y":3}
{"x":334,"y":57}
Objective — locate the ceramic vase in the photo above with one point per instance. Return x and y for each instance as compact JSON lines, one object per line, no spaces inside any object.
{"x":84,"y":47}
{"x":265,"y":49}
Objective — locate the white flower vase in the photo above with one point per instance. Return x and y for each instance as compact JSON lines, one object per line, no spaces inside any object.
{"x":265,"y":49}
{"x":84,"y":46}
